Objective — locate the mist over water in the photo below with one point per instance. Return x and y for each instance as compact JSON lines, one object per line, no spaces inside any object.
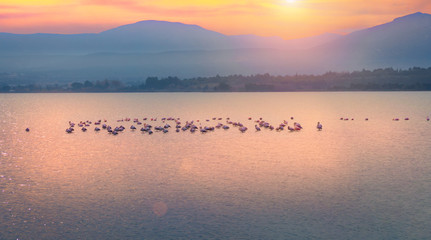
{"x":353,"y":180}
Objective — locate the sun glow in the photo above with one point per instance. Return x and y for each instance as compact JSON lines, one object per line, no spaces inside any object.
{"x":285,"y":18}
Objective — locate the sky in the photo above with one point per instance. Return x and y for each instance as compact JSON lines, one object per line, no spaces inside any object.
{"x":288,"y":19}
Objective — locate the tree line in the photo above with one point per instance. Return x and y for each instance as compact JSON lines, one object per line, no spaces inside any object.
{"x":388,"y":79}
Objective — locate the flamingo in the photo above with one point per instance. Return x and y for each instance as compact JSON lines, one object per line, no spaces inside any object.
{"x":243,"y":129}
{"x":297,"y":126}
{"x":319,"y":126}
{"x":209,"y":128}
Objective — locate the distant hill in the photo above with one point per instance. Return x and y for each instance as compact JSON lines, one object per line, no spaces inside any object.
{"x":405,"y":42}
{"x":144,"y":37}
{"x":158,"y":48}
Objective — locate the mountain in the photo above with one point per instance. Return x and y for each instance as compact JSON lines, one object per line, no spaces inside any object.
{"x":145,"y":36}
{"x":142,"y":37}
{"x":253,"y":41}
{"x":159,"y":36}
{"x":402,"y":43}
{"x":157,"y":48}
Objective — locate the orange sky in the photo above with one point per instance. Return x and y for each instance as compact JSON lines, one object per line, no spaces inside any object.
{"x":284,"y":18}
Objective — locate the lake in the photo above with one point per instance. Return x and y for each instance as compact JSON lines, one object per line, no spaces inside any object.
{"x":355,"y":179}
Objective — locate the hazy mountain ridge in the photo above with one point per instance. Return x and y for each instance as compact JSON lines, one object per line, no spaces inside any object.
{"x":143,"y":37}
{"x":157,"y":48}
{"x":402,"y":43}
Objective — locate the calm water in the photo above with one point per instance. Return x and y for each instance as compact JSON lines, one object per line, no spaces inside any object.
{"x":353,"y":180}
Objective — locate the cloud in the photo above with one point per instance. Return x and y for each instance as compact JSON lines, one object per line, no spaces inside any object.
{"x":17,"y":15}
{"x":263,"y":17}
{"x":184,"y":10}
{"x":7,"y":7}
{"x":110,"y":2}
{"x":366,"y":7}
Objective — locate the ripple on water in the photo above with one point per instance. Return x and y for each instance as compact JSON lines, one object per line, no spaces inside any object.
{"x":352,"y":180}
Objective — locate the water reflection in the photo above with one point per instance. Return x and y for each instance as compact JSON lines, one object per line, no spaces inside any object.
{"x":355,"y":179}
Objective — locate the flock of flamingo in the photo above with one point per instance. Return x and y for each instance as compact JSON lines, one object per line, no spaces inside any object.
{"x":191,"y":126}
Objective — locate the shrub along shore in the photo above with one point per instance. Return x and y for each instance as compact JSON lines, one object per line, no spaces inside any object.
{"x":389,"y":79}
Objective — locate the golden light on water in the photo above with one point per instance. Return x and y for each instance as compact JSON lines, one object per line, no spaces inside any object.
{"x":160,"y":209}
{"x":184,"y":184}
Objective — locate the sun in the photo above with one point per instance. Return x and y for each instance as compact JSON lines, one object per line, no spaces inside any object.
{"x":290,"y":1}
